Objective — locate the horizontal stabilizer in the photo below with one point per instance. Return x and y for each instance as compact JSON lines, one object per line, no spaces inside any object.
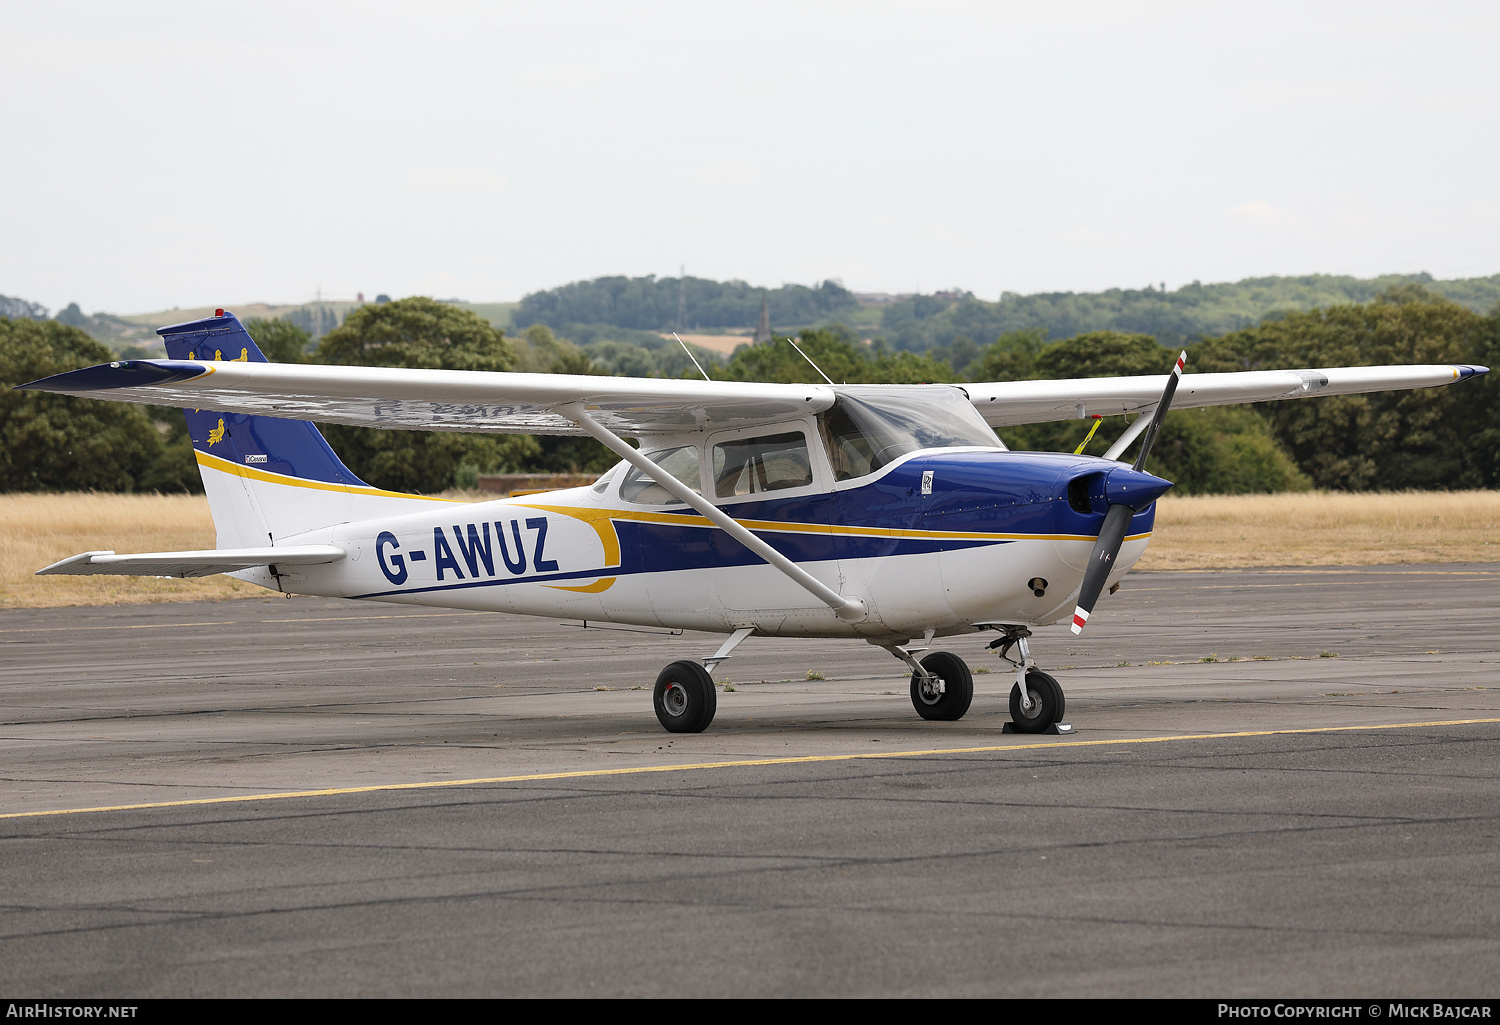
{"x":194,"y":564}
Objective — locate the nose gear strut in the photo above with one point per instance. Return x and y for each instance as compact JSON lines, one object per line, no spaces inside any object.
{"x":1037,"y":703}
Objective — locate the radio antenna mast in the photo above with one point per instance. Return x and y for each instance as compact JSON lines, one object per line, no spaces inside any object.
{"x":809,"y":359}
{"x":690,"y":354}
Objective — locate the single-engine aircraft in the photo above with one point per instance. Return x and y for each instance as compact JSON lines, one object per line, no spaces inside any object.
{"x":883,"y":513}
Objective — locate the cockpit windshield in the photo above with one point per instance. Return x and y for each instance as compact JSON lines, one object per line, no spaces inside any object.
{"x":869,"y":427}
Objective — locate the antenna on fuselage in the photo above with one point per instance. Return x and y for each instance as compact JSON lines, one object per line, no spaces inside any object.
{"x":690,"y":354}
{"x":808,"y":358}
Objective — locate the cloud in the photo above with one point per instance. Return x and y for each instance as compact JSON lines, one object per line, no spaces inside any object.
{"x":723,"y":173}
{"x":455,"y":178}
{"x":1260,"y":213}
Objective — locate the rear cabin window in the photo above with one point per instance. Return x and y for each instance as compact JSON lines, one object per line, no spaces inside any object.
{"x":770,"y":462}
{"x":681,"y":463}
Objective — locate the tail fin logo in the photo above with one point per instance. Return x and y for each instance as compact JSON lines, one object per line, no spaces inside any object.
{"x":216,"y":434}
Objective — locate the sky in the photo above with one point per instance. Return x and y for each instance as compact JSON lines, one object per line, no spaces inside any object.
{"x":163,"y":154}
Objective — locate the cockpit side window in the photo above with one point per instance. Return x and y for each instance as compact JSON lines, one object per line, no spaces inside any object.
{"x":865,"y":428}
{"x":851,"y":451}
{"x":681,"y":463}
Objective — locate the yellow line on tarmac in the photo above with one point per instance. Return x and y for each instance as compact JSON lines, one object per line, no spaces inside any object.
{"x":236,"y":622}
{"x":738,"y":764}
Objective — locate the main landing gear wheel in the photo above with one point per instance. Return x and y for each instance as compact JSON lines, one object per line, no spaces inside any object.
{"x":1047,"y":703}
{"x":945,"y":695}
{"x":685,"y":698}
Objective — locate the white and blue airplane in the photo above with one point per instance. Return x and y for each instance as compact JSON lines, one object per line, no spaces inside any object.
{"x":883,"y":513}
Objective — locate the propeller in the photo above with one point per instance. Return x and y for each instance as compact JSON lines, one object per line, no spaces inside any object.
{"x":1127,"y":492}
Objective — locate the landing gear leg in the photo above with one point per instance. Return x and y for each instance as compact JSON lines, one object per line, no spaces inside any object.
{"x":1037,"y":703}
{"x":685,"y":699}
{"x":942,"y":687}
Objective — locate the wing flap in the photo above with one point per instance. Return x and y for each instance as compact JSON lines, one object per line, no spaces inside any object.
{"x":192,"y":564}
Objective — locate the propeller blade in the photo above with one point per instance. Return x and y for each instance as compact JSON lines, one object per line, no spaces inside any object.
{"x":1117,"y":519}
{"x":1161,"y":411}
{"x":1101,"y":561}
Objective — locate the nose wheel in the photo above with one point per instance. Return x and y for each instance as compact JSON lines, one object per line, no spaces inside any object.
{"x":1041,"y":708}
{"x":1045,"y":700}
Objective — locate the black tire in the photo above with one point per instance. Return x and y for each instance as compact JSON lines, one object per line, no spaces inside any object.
{"x":1047,"y":703}
{"x":958,"y":688}
{"x":685,"y":698}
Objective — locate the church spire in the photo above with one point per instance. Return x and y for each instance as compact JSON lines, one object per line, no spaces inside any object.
{"x":763,"y":329}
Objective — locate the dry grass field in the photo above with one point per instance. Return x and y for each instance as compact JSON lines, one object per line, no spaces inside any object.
{"x":38,"y":530}
{"x":1324,"y":529}
{"x":1204,"y":532}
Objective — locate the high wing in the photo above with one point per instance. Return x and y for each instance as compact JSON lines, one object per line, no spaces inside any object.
{"x":1006,"y":404}
{"x":441,"y":400}
{"x":488,"y":402}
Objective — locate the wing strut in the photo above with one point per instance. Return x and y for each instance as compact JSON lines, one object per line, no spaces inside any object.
{"x":1132,"y":432}
{"x":849,"y":609}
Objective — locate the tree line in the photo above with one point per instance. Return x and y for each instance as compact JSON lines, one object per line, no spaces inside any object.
{"x":1179,"y":317}
{"x":960,"y":324}
{"x":1433,"y":438}
{"x":654,"y":304}
{"x":1430,"y":438}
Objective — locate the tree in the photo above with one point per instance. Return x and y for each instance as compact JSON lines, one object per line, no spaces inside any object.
{"x":1011,"y":358}
{"x":280,"y":339}
{"x":57,"y":442}
{"x":1482,"y":454}
{"x":650,"y":303}
{"x":545,"y":353}
{"x":1221,"y":450}
{"x":72,"y":316}
{"x":1180,"y":317}
{"x":420,"y":332}
{"x":839,"y":353}
{"x":833,"y":350}
{"x":1427,"y":438}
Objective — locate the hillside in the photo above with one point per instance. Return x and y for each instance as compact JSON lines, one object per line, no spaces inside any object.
{"x":920,"y":322}
{"x":634,"y":311}
{"x":1174,"y":317}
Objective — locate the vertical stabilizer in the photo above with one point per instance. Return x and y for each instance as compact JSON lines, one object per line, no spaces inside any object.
{"x":268,"y":478}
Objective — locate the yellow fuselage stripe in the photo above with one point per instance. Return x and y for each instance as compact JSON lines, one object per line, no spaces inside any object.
{"x":223,"y":465}
{"x":641,"y":516}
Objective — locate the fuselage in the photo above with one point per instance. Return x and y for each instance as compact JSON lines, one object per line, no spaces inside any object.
{"x":943,"y":540}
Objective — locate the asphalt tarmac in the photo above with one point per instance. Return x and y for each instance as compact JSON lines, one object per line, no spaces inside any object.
{"x":1282,"y":783}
